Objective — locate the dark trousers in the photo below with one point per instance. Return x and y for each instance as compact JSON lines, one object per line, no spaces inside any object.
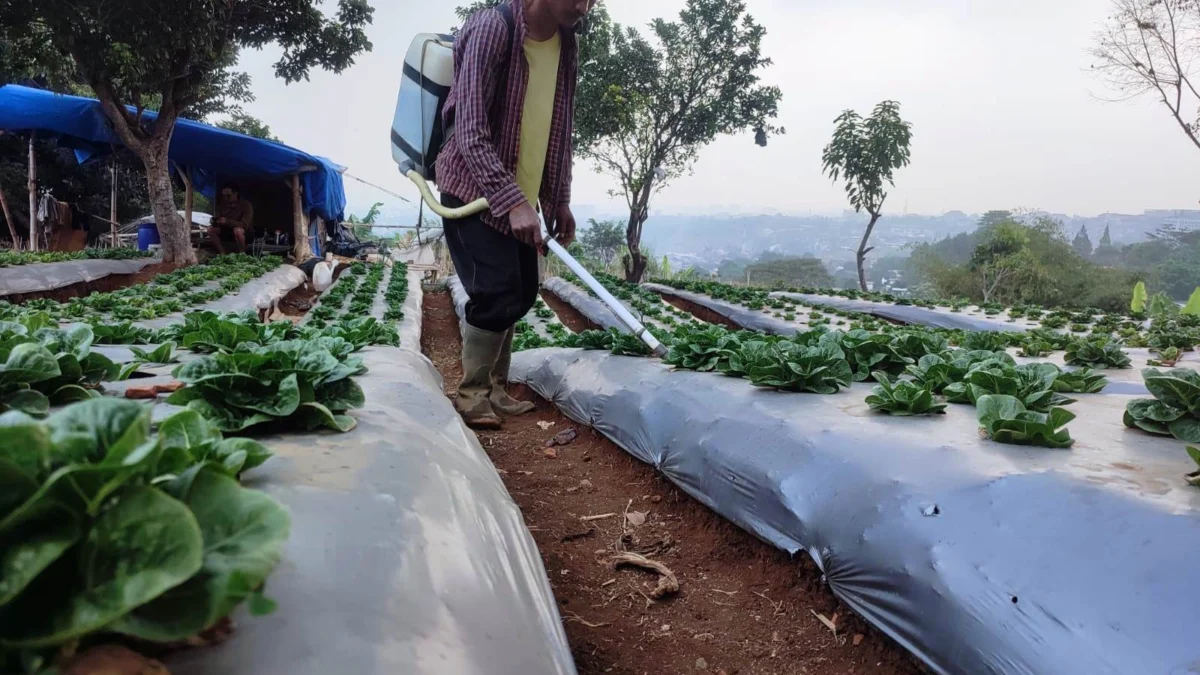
{"x":499,"y":273}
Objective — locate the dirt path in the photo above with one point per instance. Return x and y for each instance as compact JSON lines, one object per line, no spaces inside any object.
{"x":743,"y":606}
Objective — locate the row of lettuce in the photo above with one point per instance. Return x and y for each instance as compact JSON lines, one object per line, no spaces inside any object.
{"x":920,"y":371}
{"x":17,"y":258}
{"x":1158,"y":323}
{"x":112,"y":527}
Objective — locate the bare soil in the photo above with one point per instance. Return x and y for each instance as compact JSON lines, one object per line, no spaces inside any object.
{"x":743,"y":606}
{"x":699,"y":311}
{"x":299,"y":300}
{"x":568,"y":315}
{"x":112,"y":282}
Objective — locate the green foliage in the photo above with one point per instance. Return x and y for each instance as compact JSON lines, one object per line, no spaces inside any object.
{"x":42,"y":365}
{"x":1032,"y":384}
{"x":1138,"y":304}
{"x":1192,"y":308}
{"x":1175,"y":408}
{"x":109,"y":528}
{"x":1006,"y":420}
{"x":1097,"y":351}
{"x":903,"y":398}
{"x":821,"y":368}
{"x":163,"y":354}
{"x":300,"y":382}
{"x":867,"y":153}
{"x":1193,"y":478}
{"x":702,"y":349}
{"x":15,"y":258}
{"x":645,"y":108}
{"x":789,"y":272}
{"x":241,"y":122}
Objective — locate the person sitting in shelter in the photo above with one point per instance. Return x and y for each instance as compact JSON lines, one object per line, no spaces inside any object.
{"x":233,"y":214}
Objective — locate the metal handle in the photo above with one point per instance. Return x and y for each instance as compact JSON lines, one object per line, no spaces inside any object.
{"x":480,"y":205}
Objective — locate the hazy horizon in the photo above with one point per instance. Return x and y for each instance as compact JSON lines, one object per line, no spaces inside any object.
{"x":1005,"y":113}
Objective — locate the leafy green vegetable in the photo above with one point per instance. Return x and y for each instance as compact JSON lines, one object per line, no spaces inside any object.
{"x":902,"y":397}
{"x":1193,"y":478}
{"x":163,"y":354}
{"x":820,"y":369}
{"x":1097,"y":351}
{"x":702,"y":349}
{"x":106,"y":527}
{"x":1006,"y":420}
{"x":1175,"y":408}
{"x":1032,"y":384}
{"x":304,"y":381}
{"x":1080,"y":381}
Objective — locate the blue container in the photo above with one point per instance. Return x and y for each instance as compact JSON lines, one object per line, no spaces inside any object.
{"x":147,"y":236}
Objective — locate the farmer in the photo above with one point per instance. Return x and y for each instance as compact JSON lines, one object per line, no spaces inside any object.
{"x":509,"y":118}
{"x":233,"y":214}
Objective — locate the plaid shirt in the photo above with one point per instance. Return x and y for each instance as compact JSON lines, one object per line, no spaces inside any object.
{"x":485,"y":105}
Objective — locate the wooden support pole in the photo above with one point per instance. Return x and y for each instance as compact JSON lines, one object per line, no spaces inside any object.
{"x":8,"y":218}
{"x":301,"y":250}
{"x":112,"y":206}
{"x":33,"y":200}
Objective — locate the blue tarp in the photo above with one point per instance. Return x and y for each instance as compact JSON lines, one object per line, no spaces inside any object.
{"x":211,"y":154}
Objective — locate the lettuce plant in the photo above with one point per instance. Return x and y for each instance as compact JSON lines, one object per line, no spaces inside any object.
{"x":1097,"y":351}
{"x":1175,"y":408}
{"x":1006,"y":420}
{"x":111,"y":529}
{"x":305,"y":382}
{"x":903,"y":398}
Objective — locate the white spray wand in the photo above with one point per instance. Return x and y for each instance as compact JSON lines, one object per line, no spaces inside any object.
{"x":480,"y":205}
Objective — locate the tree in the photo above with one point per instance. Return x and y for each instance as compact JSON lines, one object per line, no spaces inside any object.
{"x":603,"y":240}
{"x":174,"y":55}
{"x":247,"y":124}
{"x":645,"y":109}
{"x":867,"y":153}
{"x":1153,"y":47}
{"x":1106,"y":253}
{"x":786,"y":272}
{"x":1082,"y":243}
{"x":362,"y":224}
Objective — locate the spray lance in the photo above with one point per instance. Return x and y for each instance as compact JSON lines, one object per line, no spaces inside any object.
{"x":481,"y":205}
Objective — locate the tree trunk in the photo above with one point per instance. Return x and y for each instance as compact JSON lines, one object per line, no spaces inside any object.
{"x":33,"y":205}
{"x":175,"y":234}
{"x":8,"y":218}
{"x":635,"y":263}
{"x":863,"y":250}
{"x":301,"y":249}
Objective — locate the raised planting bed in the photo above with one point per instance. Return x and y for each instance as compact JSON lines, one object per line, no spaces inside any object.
{"x":921,"y":316}
{"x":977,"y":556}
{"x":66,"y":279}
{"x":398,"y":522}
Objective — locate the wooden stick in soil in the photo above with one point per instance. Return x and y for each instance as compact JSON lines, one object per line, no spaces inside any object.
{"x":668,"y":584}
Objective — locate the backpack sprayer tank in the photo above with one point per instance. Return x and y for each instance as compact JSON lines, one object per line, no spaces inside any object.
{"x":417,"y":133}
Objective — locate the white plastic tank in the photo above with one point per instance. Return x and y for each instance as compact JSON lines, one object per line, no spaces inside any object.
{"x":417,"y":127}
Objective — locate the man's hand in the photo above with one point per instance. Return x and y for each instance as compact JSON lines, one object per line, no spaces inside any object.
{"x":565,"y":231}
{"x":525,"y":225}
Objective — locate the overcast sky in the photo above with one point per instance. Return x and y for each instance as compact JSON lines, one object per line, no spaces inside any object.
{"x":1004,"y":110}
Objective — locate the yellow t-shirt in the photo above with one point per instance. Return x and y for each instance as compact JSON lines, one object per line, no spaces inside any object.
{"x":543,"y":58}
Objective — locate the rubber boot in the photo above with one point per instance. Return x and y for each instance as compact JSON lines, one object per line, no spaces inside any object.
{"x":481,"y":349}
{"x":501,"y":401}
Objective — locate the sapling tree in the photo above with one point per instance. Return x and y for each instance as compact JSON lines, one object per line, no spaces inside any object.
{"x":866,"y":153}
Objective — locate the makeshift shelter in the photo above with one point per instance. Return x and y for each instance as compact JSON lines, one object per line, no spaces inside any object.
{"x":287,"y":185}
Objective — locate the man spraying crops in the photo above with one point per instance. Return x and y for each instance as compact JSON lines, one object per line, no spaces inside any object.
{"x":509,"y":120}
